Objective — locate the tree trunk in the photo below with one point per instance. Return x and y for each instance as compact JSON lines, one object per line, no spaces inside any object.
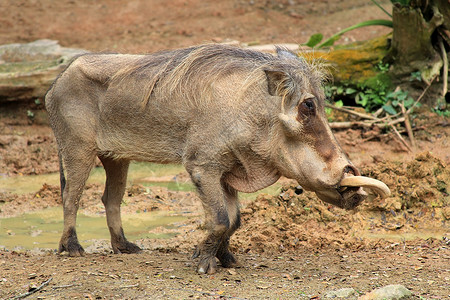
{"x":421,"y":32}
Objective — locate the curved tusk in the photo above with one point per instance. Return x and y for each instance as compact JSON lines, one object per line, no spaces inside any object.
{"x":375,"y":185}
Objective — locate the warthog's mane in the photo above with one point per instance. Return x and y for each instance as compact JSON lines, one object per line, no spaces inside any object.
{"x":191,"y":71}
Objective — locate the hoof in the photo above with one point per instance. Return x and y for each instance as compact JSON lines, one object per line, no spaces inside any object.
{"x":69,"y":242}
{"x":227,"y":260}
{"x":207,"y":265}
{"x":74,"y":249}
{"x":126,"y":247}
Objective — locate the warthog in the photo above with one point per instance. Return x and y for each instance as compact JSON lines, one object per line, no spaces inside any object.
{"x":236,"y":119}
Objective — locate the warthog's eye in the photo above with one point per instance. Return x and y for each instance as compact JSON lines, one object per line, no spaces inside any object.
{"x":307,"y":108}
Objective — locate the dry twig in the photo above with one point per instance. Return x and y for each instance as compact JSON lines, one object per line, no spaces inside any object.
{"x":402,"y":140}
{"x":381,"y":123}
{"x":351,"y":112}
{"x":32,"y":291}
{"x":129,"y":286}
{"x":408,"y":126}
{"x":421,"y":96}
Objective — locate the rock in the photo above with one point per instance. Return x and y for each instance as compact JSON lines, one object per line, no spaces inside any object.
{"x":354,"y":63}
{"x":342,"y":293}
{"x":28,"y":70}
{"x":271,"y":48}
{"x":389,"y":292}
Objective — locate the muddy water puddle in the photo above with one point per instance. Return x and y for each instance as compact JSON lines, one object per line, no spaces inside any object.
{"x":42,"y":229}
{"x":147,"y":174}
{"x":138,"y":172}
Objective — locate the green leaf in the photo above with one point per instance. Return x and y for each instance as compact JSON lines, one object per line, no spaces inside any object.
{"x":339,"y":103}
{"x":416,"y":76}
{"x":408,"y":102}
{"x":361,"y":99}
{"x":402,"y":96}
{"x":389,"y":109}
{"x":330,"y":42}
{"x":30,"y":114}
{"x":314,"y":40}
{"x":350,"y":91}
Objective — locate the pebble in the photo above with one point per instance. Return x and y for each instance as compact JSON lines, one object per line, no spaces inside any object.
{"x":232,"y":271}
{"x":389,"y":292}
{"x":341,"y":293}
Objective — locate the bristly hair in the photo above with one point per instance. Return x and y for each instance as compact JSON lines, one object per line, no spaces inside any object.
{"x":192,"y":71}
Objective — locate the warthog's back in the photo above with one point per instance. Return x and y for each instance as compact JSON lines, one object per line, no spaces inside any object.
{"x":144,"y":107}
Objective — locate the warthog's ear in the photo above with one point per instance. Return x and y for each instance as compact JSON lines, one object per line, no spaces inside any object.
{"x":282,"y":84}
{"x":279,"y":83}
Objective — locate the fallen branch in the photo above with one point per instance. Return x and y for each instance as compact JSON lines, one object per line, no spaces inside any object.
{"x":421,"y":96}
{"x":351,"y":112}
{"x":401,"y":139}
{"x":32,"y":291}
{"x":378,"y":112}
{"x":408,"y":126}
{"x":366,"y":124}
{"x":346,"y":125}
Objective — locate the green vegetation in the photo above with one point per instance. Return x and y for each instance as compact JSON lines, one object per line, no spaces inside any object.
{"x":370,"y":99}
{"x":315,"y":39}
{"x":441,"y":112}
{"x":374,"y":76}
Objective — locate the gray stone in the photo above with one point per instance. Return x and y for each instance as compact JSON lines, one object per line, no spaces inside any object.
{"x":389,"y":292}
{"x":28,"y":70}
{"x":271,"y":48}
{"x":341,"y":293}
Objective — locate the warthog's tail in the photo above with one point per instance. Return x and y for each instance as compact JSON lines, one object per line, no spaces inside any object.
{"x":62,"y":178}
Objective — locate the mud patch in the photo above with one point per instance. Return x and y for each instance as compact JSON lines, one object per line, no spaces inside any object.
{"x":421,"y":183}
{"x":25,"y":155}
{"x":419,"y":204}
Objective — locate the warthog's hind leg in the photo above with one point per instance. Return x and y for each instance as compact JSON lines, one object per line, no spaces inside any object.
{"x":116,"y":179}
{"x":220,"y":204}
{"x":78,"y":164}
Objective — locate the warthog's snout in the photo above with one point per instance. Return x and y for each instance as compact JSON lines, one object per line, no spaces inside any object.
{"x":349,"y":192}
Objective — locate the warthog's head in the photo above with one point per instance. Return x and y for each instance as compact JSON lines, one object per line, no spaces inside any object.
{"x":307,"y":150}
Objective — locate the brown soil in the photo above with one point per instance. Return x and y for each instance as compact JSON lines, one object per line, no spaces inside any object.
{"x":289,"y":246}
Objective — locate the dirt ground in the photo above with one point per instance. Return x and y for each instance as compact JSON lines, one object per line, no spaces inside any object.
{"x":290,"y":246}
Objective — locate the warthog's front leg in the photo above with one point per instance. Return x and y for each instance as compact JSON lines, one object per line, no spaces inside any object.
{"x":116,"y":179}
{"x":222,"y":219}
{"x":226,"y":258}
